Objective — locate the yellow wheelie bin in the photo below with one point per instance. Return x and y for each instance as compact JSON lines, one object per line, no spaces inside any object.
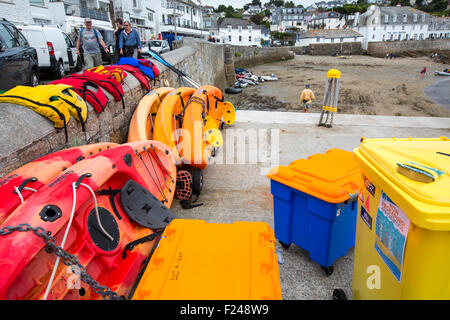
{"x":402,"y":244}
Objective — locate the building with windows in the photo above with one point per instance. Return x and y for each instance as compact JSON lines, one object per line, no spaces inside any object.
{"x":328,"y":36}
{"x":391,"y":24}
{"x":183,"y":17}
{"x":284,"y":19}
{"x":239,"y":32}
{"x":142,"y":14}
{"x":210,"y":22}
{"x":30,"y":11}
{"x":327,"y":20}
{"x":439,"y":28}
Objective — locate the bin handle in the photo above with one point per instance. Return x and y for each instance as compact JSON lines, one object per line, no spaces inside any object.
{"x":352,"y":198}
{"x":418,"y":172}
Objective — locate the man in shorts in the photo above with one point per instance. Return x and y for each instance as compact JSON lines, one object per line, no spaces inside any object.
{"x":306,"y":98}
{"x":91,"y":40}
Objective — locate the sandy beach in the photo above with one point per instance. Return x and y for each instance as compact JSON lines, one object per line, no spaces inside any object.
{"x":373,"y":86}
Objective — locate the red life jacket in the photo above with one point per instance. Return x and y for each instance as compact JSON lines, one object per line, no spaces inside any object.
{"x":97,"y":99}
{"x":109,"y":83}
{"x":136,"y":73}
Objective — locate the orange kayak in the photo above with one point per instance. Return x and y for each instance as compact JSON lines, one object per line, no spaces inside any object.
{"x":36,"y":174}
{"x":193,"y":149}
{"x":142,"y":122}
{"x":217,"y":110}
{"x":168,"y":120}
{"x":99,"y":205}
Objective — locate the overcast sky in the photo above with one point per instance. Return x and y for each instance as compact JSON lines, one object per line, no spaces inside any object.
{"x":241,"y":3}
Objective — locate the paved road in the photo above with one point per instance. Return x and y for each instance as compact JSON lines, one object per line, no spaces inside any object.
{"x":439,"y":92}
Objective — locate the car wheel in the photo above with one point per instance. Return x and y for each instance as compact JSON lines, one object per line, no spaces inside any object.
{"x":60,"y":72}
{"x":34,"y":78}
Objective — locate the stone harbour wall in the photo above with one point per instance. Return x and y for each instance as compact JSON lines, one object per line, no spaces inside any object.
{"x":380,"y":49}
{"x":26,"y":135}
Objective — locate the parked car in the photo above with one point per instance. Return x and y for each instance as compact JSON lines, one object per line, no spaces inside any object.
{"x":18,"y":60}
{"x":159,"y":46}
{"x":56,"y":51}
{"x":276,"y":43}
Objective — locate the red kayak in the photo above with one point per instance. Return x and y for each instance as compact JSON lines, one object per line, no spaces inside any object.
{"x":18,"y":185}
{"x":104,"y":211}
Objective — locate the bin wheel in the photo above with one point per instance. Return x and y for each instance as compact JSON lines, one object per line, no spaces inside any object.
{"x":339,"y":294}
{"x":284,"y":245}
{"x":328,"y":270}
{"x":197,"y":181}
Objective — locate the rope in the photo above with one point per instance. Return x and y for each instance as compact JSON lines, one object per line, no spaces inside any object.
{"x":69,"y":224}
{"x":154,"y":182}
{"x":20,"y":194}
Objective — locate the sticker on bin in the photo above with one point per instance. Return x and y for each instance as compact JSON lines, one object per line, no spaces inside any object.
{"x":391,"y":229}
{"x":365,"y":216}
{"x":369,"y":186}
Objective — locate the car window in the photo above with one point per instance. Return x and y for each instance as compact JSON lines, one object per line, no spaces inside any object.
{"x":68,"y":41}
{"x":155,"y":44}
{"x":19,"y":38}
{"x":7,"y":38}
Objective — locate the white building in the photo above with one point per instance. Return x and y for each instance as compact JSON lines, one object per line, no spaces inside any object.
{"x":391,"y":24}
{"x":30,"y":11}
{"x":439,"y":28}
{"x":327,"y":20}
{"x":181,"y":17}
{"x":210,"y":22}
{"x":288,"y":18}
{"x":328,"y":36}
{"x":239,"y":32}
{"x":142,"y":14}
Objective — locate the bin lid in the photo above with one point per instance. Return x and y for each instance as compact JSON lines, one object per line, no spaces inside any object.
{"x":196,"y":260}
{"x":419,"y":167}
{"x":333,"y":176}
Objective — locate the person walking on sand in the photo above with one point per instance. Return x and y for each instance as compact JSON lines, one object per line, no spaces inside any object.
{"x":423,"y":72}
{"x":90,"y":40}
{"x":306,"y":98}
{"x":129,"y":41}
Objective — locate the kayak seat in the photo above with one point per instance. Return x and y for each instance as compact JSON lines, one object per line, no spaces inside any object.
{"x":143,"y":207}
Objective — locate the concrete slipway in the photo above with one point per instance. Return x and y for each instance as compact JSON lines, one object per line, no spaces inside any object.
{"x":238,"y":190}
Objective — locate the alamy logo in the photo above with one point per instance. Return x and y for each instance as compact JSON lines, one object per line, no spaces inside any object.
{"x":374,"y":280}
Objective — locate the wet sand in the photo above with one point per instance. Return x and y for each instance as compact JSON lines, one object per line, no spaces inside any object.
{"x":439,"y":92}
{"x":373,"y":86}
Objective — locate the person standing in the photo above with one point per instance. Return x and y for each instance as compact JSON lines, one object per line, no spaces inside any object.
{"x":129,"y":41}
{"x":170,"y":38}
{"x":117,"y":32}
{"x":91,"y":41}
{"x":306,"y":98}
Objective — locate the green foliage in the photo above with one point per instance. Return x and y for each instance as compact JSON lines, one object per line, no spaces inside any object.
{"x":237,"y":54}
{"x":276,"y":3}
{"x":289,"y":4}
{"x":437,"y":7}
{"x":257,"y":18}
{"x":352,"y":8}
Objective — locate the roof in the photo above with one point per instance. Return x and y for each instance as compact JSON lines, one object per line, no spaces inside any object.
{"x":330,"y":33}
{"x":234,"y":22}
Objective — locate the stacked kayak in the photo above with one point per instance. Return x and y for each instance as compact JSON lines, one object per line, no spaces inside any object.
{"x":442,"y":73}
{"x":101,"y":214}
{"x":188,"y":121}
{"x":246,"y":78}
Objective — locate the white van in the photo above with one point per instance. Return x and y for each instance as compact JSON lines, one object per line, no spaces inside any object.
{"x":56,"y":51}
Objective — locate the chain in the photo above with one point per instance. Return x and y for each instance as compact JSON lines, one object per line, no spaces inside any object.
{"x":67,"y":258}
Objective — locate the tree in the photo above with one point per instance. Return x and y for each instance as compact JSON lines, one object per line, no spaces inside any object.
{"x":276,"y":3}
{"x":267,"y":13}
{"x":256,"y":3}
{"x":257,"y":18}
{"x":289,"y":4}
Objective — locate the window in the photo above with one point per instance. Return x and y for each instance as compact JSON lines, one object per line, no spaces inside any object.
{"x":18,"y":36}
{"x":423,"y":18}
{"x":250,"y":29}
{"x":386,"y":18}
{"x":332,"y":40}
{"x":239,"y":29}
{"x":373,"y":36}
{"x":68,"y":41}
{"x":374,"y":28}
{"x":405,"y":17}
{"x":403,"y":27}
{"x":250,"y":39}
{"x":240,"y":38}
{"x":421,"y":27}
{"x":38,"y":2}
{"x":150,"y":16}
{"x":163,"y":3}
{"x":229,"y":38}
{"x":134,"y":3}
{"x":415,"y":17}
{"x":394,"y":18}
{"x":385,"y":28}
{"x":229,"y":29}
{"x":6,"y":37}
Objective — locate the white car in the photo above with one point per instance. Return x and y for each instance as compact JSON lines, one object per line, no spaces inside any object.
{"x":56,"y":51}
{"x":159,"y":46}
